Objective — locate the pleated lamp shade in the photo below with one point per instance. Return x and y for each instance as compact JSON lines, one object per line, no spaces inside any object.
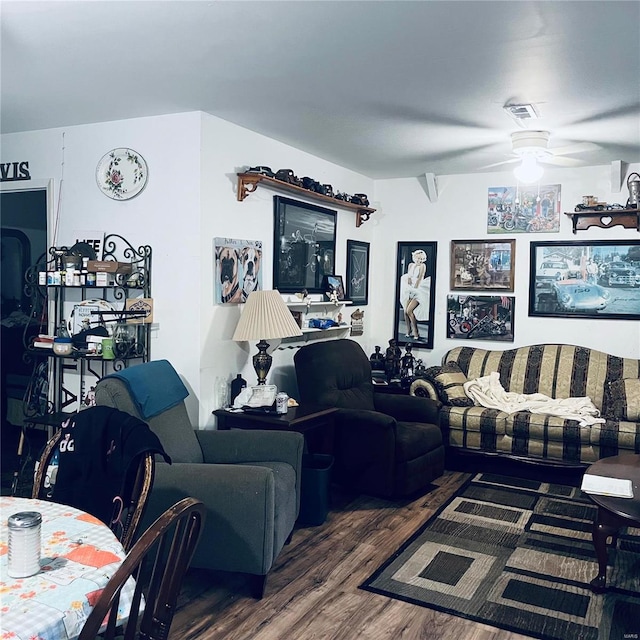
{"x":265,"y":317}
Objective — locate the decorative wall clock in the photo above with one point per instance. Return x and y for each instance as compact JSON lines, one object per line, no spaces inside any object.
{"x":122,"y":174}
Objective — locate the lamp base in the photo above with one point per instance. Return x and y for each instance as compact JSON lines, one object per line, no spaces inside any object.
{"x":262,"y":361}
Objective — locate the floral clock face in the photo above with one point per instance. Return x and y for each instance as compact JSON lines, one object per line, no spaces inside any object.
{"x":122,"y":174}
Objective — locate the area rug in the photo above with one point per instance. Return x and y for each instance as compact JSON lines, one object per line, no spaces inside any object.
{"x":517,"y":554}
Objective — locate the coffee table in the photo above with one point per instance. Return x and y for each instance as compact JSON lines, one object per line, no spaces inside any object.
{"x":613,"y":513}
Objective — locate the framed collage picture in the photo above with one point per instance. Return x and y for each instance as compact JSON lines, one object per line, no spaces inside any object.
{"x":482,"y":265}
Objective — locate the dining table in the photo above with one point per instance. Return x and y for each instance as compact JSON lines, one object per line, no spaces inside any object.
{"x":79,"y":554}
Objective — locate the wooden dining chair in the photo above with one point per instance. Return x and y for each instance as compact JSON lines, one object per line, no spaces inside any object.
{"x":126,"y":521}
{"x":157,"y":562}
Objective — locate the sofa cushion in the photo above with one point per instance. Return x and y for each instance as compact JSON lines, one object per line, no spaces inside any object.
{"x":449,"y":380}
{"x":624,"y":399}
{"x":545,"y":436}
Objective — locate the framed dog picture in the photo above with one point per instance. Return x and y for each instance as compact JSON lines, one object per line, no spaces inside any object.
{"x":305,"y":245}
{"x":358,"y":272}
{"x":415,"y":294}
{"x":237,"y":270}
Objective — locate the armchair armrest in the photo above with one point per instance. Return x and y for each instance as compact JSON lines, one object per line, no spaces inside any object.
{"x":231,"y":447}
{"x":408,"y":408}
{"x":241,"y":512}
{"x":353,"y":419}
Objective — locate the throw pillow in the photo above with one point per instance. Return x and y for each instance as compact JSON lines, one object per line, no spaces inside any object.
{"x":448,"y":381}
{"x":624,"y":396}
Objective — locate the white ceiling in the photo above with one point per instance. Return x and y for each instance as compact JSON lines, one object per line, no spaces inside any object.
{"x":386,"y":88}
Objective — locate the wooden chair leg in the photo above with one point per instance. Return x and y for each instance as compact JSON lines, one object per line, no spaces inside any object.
{"x":257,"y":585}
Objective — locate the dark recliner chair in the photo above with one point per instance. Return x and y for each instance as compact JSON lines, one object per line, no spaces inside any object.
{"x":385,"y":445}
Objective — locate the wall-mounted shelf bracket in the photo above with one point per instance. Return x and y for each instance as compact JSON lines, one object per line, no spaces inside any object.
{"x":248,"y":183}
{"x":582,"y":220}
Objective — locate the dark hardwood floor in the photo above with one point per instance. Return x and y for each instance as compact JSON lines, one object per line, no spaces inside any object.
{"x":312,"y":591}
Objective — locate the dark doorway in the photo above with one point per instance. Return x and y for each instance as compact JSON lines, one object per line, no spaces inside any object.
{"x":23,"y":217}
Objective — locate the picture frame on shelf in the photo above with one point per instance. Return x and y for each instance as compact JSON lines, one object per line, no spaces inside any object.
{"x":333,"y":285}
{"x":304,"y":245}
{"x":482,"y":265}
{"x":358,"y":272}
{"x":480,"y":317}
{"x":414,"y":303}
{"x":585,"y":279}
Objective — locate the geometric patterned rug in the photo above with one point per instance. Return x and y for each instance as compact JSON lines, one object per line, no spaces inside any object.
{"x":517,"y":554}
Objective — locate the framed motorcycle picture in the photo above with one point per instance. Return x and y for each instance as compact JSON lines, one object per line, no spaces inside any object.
{"x":482,"y":265}
{"x":480,"y":317}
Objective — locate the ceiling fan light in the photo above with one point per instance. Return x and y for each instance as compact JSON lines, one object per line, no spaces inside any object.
{"x":529,"y":171}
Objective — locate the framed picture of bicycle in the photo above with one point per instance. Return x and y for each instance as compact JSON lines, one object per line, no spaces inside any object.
{"x":482,"y":265}
{"x":415,"y":294}
{"x":480,"y":317}
{"x":524,"y":209}
{"x":587,"y":279}
{"x":358,"y":272}
{"x":304,"y":245}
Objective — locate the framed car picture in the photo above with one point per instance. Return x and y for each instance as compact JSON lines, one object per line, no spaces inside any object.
{"x":358,"y":272}
{"x":588,"y":279}
{"x":482,"y":265}
{"x":415,"y":294}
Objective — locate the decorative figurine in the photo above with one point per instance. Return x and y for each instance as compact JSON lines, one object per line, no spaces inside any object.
{"x":392,"y":360}
{"x":377,"y":360}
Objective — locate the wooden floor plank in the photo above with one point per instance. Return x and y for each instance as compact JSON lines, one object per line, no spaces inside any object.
{"x":312,"y":590}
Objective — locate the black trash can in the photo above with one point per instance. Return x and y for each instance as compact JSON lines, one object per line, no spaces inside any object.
{"x":314,"y":490}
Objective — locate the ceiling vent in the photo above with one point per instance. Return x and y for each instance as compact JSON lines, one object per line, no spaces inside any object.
{"x":522,"y":113}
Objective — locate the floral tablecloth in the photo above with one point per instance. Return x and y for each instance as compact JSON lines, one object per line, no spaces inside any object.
{"x":79,"y":555}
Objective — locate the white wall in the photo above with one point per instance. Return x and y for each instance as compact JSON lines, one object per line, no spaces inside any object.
{"x":189,"y":200}
{"x":461,"y":213}
{"x":227,"y":149}
{"x":165,"y":215}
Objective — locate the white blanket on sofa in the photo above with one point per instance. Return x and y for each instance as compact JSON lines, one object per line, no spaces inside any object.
{"x":488,"y":392}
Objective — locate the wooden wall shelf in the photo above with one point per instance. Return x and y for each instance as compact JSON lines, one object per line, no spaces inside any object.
{"x":628,"y":218}
{"x":248,"y":183}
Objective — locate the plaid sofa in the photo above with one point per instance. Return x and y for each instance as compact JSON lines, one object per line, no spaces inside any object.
{"x":556,"y":370}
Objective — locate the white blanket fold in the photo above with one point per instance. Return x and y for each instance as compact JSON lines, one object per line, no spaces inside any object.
{"x":488,"y":392}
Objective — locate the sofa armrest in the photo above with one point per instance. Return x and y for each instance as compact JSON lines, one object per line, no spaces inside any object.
{"x":231,"y":447}
{"x":408,"y":408}
{"x":423,"y":389}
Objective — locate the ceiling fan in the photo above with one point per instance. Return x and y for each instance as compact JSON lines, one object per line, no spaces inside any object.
{"x":531,"y":149}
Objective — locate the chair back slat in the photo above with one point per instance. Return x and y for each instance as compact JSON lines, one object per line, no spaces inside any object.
{"x":158,"y":575}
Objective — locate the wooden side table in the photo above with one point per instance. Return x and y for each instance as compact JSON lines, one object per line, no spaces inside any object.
{"x":315,"y":423}
{"x":613,"y":513}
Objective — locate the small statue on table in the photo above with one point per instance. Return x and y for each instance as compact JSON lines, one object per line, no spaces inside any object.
{"x":377,"y":360}
{"x":407,"y":366}
{"x":392,"y":360}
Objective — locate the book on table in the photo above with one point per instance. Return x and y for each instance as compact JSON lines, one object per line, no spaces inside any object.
{"x":603,"y":486}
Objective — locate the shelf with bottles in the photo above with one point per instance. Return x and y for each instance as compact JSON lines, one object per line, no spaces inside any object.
{"x":108,"y":323}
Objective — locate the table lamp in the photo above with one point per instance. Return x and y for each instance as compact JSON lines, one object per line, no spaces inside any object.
{"x":265,"y":317}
